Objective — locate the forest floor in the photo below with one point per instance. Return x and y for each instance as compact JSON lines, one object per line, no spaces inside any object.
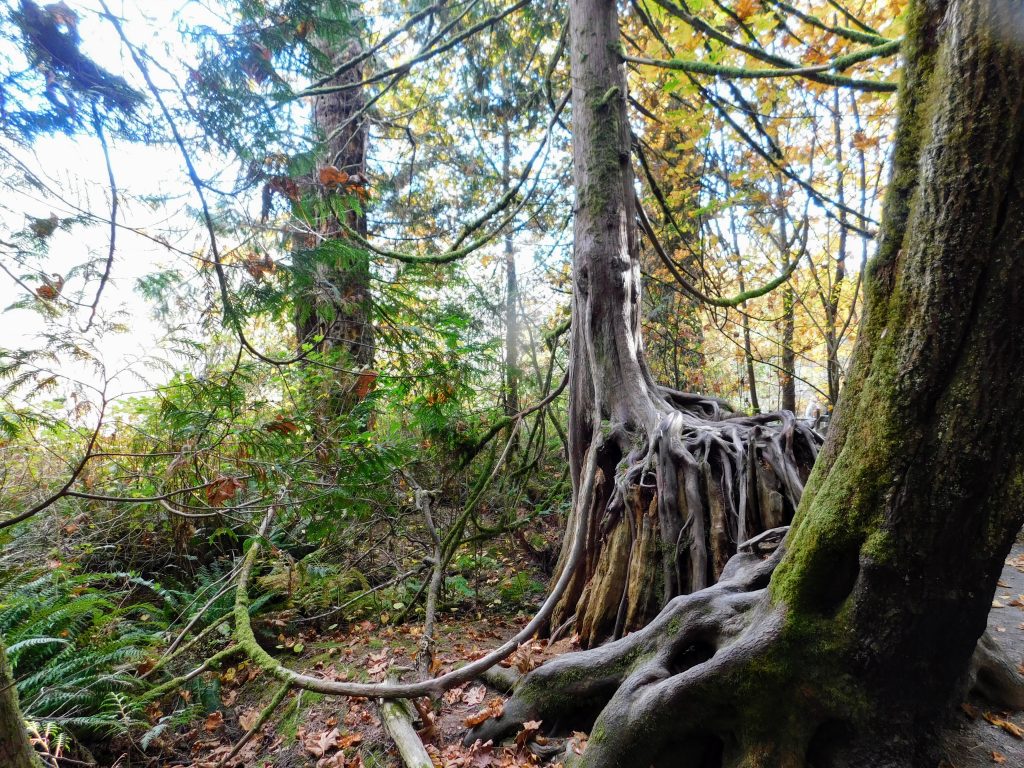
{"x":981,"y":736}
{"x":311,"y":731}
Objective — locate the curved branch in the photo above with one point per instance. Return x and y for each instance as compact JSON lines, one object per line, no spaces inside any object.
{"x":435,"y":686}
{"x":732,"y":301}
{"x":733,"y":72}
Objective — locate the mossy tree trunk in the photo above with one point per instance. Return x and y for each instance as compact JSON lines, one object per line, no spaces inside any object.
{"x":15,"y":750}
{"x":681,"y":479}
{"x":849,"y":644}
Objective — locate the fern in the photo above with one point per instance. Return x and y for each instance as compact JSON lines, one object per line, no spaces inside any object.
{"x":74,"y":642}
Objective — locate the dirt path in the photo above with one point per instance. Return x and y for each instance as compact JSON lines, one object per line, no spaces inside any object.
{"x":975,"y":743}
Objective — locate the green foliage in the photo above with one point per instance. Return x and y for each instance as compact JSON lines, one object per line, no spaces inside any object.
{"x":74,"y":642}
{"x":519,"y":587}
{"x":57,"y":87}
{"x":313,"y":583}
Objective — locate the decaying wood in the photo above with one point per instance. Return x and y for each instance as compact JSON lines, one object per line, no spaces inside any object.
{"x":397,"y":717}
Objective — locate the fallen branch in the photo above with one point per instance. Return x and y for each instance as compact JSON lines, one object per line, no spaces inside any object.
{"x":434,"y":686}
{"x":397,"y":718}
{"x":260,"y":722}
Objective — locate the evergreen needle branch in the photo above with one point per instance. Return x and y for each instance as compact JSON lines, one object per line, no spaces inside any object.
{"x":112,"y":246}
{"x":454,"y":253}
{"x":64,"y":490}
{"x":231,"y":316}
{"x":426,"y":55}
{"x":502,"y":423}
{"x":506,"y":199}
{"x":345,"y":66}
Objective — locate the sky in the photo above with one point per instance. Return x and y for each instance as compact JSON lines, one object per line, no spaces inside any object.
{"x":74,"y":168}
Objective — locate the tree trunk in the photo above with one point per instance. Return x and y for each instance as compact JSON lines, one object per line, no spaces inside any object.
{"x":748,"y":349}
{"x":680,"y":479}
{"x":511,"y":398}
{"x":849,"y":644}
{"x":15,"y":750}
{"x":831,"y":302}
{"x":787,"y":369}
{"x":334,"y":311}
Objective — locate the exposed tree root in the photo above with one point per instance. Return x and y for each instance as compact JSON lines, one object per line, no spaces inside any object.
{"x":671,"y":511}
{"x":994,"y":676}
{"x":681,"y":691}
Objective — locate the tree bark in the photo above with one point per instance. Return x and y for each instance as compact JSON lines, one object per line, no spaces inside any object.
{"x":681,"y":480}
{"x":15,"y":749}
{"x":511,"y":394}
{"x":787,"y":368}
{"x":748,"y":349}
{"x":849,"y":645}
{"x":334,"y":311}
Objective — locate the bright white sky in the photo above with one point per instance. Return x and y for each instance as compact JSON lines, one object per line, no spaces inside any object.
{"x":74,"y":169}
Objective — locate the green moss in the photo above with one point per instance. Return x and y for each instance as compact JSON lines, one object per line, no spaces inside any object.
{"x":610,"y":94}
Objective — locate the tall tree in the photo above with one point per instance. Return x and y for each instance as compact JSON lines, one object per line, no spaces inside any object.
{"x":334,"y":311}
{"x":849,"y":643}
{"x":670,"y":482}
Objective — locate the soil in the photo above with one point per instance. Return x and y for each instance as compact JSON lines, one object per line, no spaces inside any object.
{"x":309,"y":731}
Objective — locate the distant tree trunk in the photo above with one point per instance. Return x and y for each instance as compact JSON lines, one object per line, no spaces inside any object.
{"x":748,"y":353}
{"x":849,"y":645}
{"x":787,"y":372}
{"x":834,"y":369}
{"x":680,"y":478}
{"x":788,"y":364}
{"x":15,"y":750}
{"x":334,"y":313}
{"x":511,"y":398}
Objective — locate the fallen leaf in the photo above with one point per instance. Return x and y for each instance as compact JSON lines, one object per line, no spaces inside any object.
{"x":495,"y":708}
{"x":530,"y":730}
{"x":247,"y":718}
{"x":1011,"y":728}
{"x":998,"y":757}
{"x":350,"y":740}
{"x":475,"y":696}
{"x":318,"y":744}
{"x":214,"y":720}
{"x":453,"y":695}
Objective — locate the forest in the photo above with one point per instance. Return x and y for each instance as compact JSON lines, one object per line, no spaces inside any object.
{"x":505,"y":383}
